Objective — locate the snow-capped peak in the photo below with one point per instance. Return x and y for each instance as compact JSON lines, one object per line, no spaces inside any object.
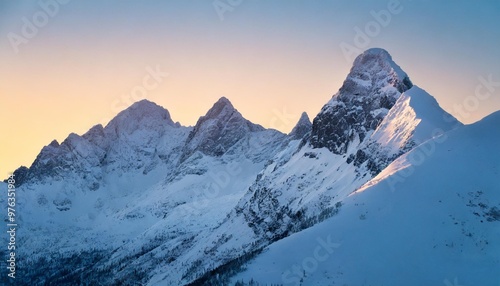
{"x":96,"y":135}
{"x":218,"y":130}
{"x":441,"y":214}
{"x":128,"y":141}
{"x":375,"y":65}
{"x":304,"y":120}
{"x":302,"y":127}
{"x":143,"y":114}
{"x":54,"y":144}
{"x":161,"y":204}
{"x":221,"y":108}
{"x":371,"y":88}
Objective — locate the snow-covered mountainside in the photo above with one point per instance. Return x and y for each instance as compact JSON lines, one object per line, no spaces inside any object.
{"x":148,"y":201}
{"x":431,"y":218}
{"x":306,"y":181}
{"x":112,"y":195}
{"x":218,"y":130}
{"x":138,"y":138}
{"x":372,"y":87}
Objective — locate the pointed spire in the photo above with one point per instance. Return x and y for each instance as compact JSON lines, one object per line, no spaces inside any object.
{"x":302,"y":127}
{"x":371,"y":88}
{"x":221,"y":108}
{"x":218,"y":130}
{"x":54,"y":144}
{"x":375,"y":65}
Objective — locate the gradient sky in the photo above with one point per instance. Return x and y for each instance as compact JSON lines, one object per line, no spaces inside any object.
{"x":272,"y":59}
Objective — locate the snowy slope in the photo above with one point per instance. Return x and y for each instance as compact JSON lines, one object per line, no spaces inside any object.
{"x":434,"y":220}
{"x":86,"y":184}
{"x":140,"y":137}
{"x":305,"y":182}
{"x":316,"y":177}
{"x":147,"y":200}
{"x":415,"y":117}
{"x":145,"y":195}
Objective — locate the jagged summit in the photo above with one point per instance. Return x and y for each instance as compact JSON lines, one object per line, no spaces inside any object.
{"x":393,"y":206}
{"x":377,"y":54}
{"x":95,"y":135}
{"x":162,"y":204}
{"x":375,"y":65}
{"x":124,"y":143}
{"x":218,"y":130}
{"x":143,"y":109}
{"x":221,"y":108}
{"x":144,"y":104}
{"x":304,"y":119}
{"x":302,"y":127}
{"x":371,"y":88}
{"x":54,"y":143}
{"x":143,"y":114}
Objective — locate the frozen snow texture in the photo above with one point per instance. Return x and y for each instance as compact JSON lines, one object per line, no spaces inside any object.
{"x":419,"y":225}
{"x":162,"y":204}
{"x":371,"y":88}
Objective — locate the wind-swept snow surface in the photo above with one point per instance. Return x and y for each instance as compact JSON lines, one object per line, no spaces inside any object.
{"x":405,"y":190}
{"x":433,"y":221}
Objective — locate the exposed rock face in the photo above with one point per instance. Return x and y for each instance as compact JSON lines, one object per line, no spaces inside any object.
{"x":218,"y":130}
{"x":172,"y":204}
{"x":302,"y":127}
{"x":372,"y":87}
{"x":142,"y":115}
{"x":132,"y":140}
{"x":128,"y":178}
{"x":415,"y":118}
{"x":376,"y":116}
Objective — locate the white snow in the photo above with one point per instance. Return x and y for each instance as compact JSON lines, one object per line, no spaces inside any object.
{"x":423,"y":224}
{"x":416,"y":116}
{"x":157,"y":198}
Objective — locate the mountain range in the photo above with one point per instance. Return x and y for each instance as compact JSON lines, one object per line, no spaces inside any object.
{"x":383,"y":187}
